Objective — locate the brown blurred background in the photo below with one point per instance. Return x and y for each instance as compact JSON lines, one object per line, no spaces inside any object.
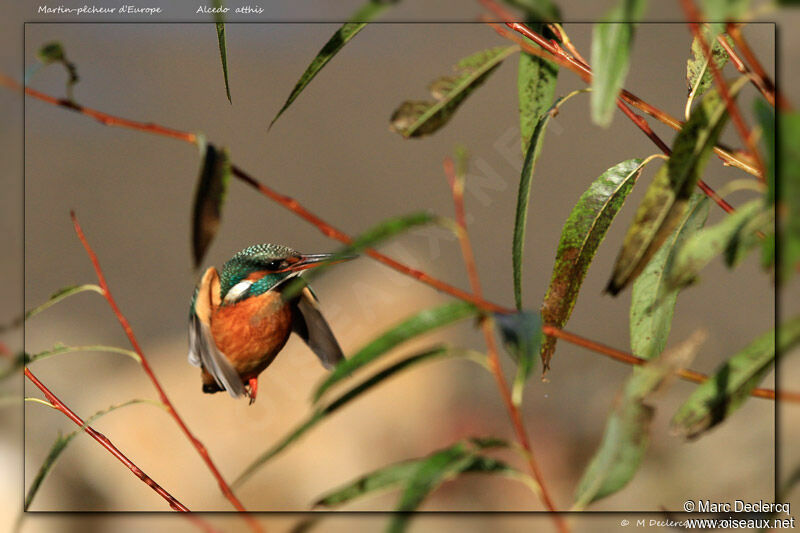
{"x":332,"y":150}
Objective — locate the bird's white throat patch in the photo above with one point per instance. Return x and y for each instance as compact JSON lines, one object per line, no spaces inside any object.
{"x":236,"y":292}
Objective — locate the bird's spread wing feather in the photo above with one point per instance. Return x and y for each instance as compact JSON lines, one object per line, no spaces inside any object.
{"x":203,"y":350}
{"x":314,"y":330}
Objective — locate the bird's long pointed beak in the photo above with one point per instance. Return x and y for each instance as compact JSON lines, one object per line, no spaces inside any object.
{"x":313,"y":260}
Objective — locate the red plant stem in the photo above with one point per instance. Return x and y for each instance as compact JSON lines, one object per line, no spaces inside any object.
{"x":329,"y":231}
{"x":105,"y":443}
{"x":294,"y":206}
{"x":637,"y":120}
{"x":555,"y":54}
{"x":734,"y":30}
{"x":201,"y":449}
{"x":689,"y":375}
{"x":692,"y":14}
{"x":758,"y":83}
{"x":457,"y":188}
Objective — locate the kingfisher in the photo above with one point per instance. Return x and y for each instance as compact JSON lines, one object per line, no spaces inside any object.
{"x":240,"y":319}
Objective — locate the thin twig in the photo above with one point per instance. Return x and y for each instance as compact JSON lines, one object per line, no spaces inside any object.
{"x":457,"y":187}
{"x":734,"y":30}
{"x":201,"y":449}
{"x":692,"y":14}
{"x":736,"y":61}
{"x":105,"y":443}
{"x":552,"y":52}
{"x":295,"y":207}
{"x":621,"y":103}
{"x":624,"y":357}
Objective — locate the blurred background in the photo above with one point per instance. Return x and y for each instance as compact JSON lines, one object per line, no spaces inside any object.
{"x":333,"y":151}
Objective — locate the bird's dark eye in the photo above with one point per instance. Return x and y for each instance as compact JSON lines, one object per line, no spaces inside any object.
{"x":275,"y":265}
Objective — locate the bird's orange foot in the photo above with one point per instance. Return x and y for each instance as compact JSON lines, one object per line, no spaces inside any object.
{"x":253,"y":389}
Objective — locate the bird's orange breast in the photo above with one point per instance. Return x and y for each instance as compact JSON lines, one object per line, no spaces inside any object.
{"x":252,"y":332}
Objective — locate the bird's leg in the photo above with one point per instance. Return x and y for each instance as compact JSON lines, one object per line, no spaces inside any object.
{"x":253,"y":389}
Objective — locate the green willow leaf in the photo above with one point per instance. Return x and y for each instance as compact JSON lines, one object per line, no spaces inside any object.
{"x":418,"y":118}
{"x":710,"y":242}
{"x":212,"y":185}
{"x":652,"y":302}
{"x":522,"y":336}
{"x":219,"y":22}
{"x":53,"y":52}
{"x":343,"y":35}
{"x":536,"y":85}
{"x":62,"y":294}
{"x":381,"y":232}
{"x":523,"y":195}
{"x":789,"y":183}
{"x":56,"y":297}
{"x":750,"y":235}
{"x":667,"y":197}
{"x":436,"y":469}
{"x":465,"y":453}
{"x":627,"y":432}
{"x":321,"y":413}
{"x":59,"y":349}
{"x":537,"y":10}
{"x":723,"y":10}
{"x":698,"y":72}
{"x":420,"y":477}
{"x":422,"y":322}
{"x":716,"y":399}
{"x":611,"y":48}
{"x":62,"y":441}
{"x":583,"y":232}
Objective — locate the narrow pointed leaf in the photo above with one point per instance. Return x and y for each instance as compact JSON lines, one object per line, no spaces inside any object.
{"x":611,"y":48}
{"x":53,"y":52}
{"x":398,"y":474}
{"x":377,"y":234}
{"x":766,"y":120}
{"x":524,"y":192}
{"x":422,"y":322}
{"x":627,"y":432}
{"x":343,"y":35}
{"x":667,"y":197}
{"x":418,"y":118}
{"x":583,"y":232}
{"x":789,"y":201}
{"x":437,"y":468}
{"x":710,"y":242}
{"x":652,"y":302}
{"x":522,"y":336}
{"x":62,"y":294}
{"x":749,"y":235}
{"x":420,"y":477}
{"x":537,"y":10}
{"x":536,"y":85}
{"x":212,"y":185}
{"x":61,"y":443}
{"x":59,"y":349}
{"x":698,"y":72}
{"x":321,"y":413}
{"x":715,"y":400}
{"x":56,"y":297}
{"x":219,"y":22}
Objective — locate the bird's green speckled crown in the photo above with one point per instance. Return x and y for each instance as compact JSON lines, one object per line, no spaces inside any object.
{"x":250,"y":259}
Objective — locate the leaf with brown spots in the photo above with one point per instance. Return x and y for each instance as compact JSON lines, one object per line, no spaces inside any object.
{"x":582,"y":234}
